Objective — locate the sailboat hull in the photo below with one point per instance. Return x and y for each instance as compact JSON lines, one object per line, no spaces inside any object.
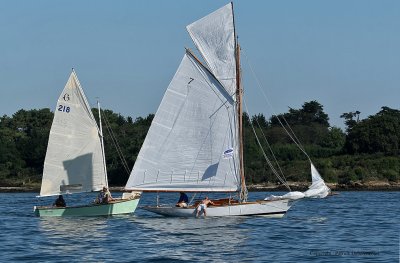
{"x":276,"y":209}
{"x":123,"y":206}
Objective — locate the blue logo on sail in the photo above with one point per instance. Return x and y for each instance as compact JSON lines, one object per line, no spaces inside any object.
{"x":228,"y":153}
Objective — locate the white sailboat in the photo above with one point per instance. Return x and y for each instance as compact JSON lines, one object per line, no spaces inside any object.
{"x":194,"y":143}
{"x":75,"y":160}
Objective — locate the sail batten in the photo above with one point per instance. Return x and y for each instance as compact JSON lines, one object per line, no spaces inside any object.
{"x":74,"y":153}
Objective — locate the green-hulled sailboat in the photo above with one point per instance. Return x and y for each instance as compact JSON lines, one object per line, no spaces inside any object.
{"x":75,"y":160}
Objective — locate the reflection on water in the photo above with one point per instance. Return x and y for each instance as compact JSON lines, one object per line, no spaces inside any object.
{"x":349,"y":223}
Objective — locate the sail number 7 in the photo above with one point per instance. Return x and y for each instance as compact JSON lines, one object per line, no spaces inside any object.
{"x":64,"y":108}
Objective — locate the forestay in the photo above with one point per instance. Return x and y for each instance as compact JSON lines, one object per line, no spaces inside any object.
{"x":214,"y":36}
{"x":192,"y":142}
{"x":74,"y":158}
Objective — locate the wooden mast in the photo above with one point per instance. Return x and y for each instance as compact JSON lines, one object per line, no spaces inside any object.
{"x":239,"y":93}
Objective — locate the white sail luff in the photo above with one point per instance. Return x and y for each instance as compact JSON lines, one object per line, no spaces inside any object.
{"x":74,"y":158}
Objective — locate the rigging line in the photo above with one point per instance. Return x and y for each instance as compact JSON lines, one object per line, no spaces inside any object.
{"x":125,"y":164}
{"x":265,"y":155}
{"x":270,"y":149}
{"x":108,"y":126}
{"x":298,"y":141}
{"x":270,"y":105}
{"x":115,"y":142}
{"x":191,"y":200}
{"x":119,"y":150}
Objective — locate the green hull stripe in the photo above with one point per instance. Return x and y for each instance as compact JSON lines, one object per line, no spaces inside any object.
{"x":121,"y":207}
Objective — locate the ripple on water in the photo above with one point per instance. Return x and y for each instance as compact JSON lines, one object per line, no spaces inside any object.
{"x":313,"y":230}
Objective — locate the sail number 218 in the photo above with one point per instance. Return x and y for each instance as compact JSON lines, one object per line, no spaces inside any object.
{"x":64,"y":108}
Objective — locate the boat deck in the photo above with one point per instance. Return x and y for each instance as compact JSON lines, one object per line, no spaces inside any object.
{"x":226,"y":202}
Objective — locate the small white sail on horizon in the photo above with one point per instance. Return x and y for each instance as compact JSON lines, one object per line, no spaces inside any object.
{"x":318,"y":188}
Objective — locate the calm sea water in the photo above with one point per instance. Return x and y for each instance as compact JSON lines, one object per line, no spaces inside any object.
{"x":349,"y":227}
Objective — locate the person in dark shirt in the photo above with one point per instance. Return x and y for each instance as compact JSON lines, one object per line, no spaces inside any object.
{"x":60,"y":202}
{"x":183,"y":200}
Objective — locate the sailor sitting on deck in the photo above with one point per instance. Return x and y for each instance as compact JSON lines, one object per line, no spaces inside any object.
{"x":60,"y":202}
{"x":183,"y":200}
{"x":203,"y":206}
{"x":104,"y":196}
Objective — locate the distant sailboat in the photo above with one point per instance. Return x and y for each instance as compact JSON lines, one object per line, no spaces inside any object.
{"x":318,"y":188}
{"x":195,"y":143}
{"x":75,"y":160}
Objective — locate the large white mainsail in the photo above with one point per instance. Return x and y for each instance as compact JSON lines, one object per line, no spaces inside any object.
{"x":214,"y":36}
{"x":74,"y":158}
{"x":192,"y":142}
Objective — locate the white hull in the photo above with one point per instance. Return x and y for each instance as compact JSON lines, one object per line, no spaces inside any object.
{"x":276,"y":208}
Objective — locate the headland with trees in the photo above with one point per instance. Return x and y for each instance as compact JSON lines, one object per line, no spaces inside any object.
{"x":364,"y":156}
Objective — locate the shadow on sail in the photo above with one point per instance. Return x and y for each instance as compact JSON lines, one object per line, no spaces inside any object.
{"x":211,"y":171}
{"x":79,"y":172}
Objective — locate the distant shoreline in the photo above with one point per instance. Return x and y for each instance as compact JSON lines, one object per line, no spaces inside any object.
{"x":352,"y":186}
{"x":294,"y":186}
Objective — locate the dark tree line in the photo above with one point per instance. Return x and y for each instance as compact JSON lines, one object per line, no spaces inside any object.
{"x":377,"y":133}
{"x":368,"y":150}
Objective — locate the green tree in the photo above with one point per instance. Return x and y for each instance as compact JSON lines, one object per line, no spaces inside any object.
{"x":311,"y":112}
{"x":259,"y":121}
{"x":377,"y":133}
{"x":349,"y":121}
{"x":310,"y":125}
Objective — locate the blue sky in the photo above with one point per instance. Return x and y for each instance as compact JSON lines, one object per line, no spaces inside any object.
{"x":344,"y":54}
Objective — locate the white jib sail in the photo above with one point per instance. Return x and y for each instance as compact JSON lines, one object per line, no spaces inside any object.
{"x":318,"y":188}
{"x":74,"y":159}
{"x":192,"y":142}
{"x":214,"y":37}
